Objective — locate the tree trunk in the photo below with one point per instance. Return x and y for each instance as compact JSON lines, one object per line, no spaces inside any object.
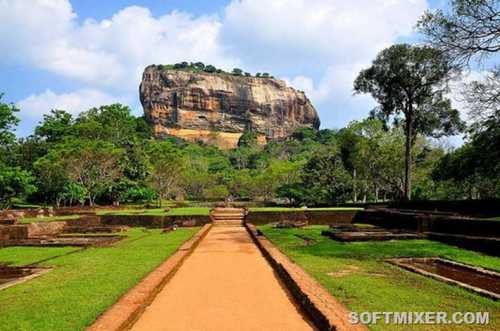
{"x":376,"y":193}
{"x":408,"y":145}
{"x":355,"y":198}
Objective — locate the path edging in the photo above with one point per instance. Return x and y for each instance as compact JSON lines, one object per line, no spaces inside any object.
{"x":326,"y":312}
{"x":123,"y":313}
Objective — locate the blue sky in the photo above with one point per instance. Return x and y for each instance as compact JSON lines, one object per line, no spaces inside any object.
{"x":77,"y":54}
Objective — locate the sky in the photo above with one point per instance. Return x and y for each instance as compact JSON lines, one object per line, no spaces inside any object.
{"x":74,"y":55}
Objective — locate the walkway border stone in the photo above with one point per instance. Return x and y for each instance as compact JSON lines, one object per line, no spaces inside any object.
{"x":326,"y":312}
{"x":122,"y":314}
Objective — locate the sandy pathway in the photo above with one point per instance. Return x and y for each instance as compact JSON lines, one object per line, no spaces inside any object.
{"x":226,"y":284}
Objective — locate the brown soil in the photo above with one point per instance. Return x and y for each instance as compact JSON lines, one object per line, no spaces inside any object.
{"x":226,"y":284}
{"x":370,"y":235}
{"x":470,"y":276}
{"x":10,"y":276}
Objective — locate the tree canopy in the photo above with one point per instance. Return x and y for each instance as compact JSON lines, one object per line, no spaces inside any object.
{"x":411,"y":81}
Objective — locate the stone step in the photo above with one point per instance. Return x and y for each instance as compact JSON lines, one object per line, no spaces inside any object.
{"x":228,"y":223}
{"x":228,"y":217}
{"x":228,"y":214}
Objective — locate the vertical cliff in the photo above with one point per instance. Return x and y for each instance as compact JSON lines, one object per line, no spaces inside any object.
{"x":218,"y":107}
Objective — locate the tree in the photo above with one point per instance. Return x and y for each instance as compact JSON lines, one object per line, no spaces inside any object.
{"x":72,"y":192}
{"x":113,"y":123}
{"x":8,"y":121}
{"x":411,"y":80}
{"x":217,"y":192}
{"x":483,"y":100}
{"x":294,"y":193}
{"x":166,"y":169}
{"x":248,"y":139}
{"x":51,"y":175}
{"x":237,"y":72}
{"x":469,"y":28}
{"x":210,"y":68}
{"x":14,"y":183}
{"x":94,"y":165}
{"x":325,"y":178}
{"x":55,"y":126}
{"x":199,"y":65}
{"x":475,"y":167}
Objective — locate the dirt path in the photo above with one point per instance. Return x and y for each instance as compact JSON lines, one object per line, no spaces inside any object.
{"x":226,"y":284}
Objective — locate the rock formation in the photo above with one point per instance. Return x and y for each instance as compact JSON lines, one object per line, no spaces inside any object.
{"x":218,"y":107}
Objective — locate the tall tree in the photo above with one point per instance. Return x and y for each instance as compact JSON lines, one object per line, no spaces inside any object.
{"x":483,"y":100}
{"x":166,"y":169}
{"x":325,"y":178}
{"x":469,"y":28}
{"x":113,"y":123}
{"x":411,"y":81}
{"x":94,"y":165}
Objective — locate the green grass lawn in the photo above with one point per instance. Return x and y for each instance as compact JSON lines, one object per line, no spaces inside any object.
{"x":133,"y":211}
{"x":48,"y":219}
{"x":356,"y":274}
{"x":189,"y":211}
{"x":84,"y":282}
{"x":285,"y":209}
{"x":181,"y":211}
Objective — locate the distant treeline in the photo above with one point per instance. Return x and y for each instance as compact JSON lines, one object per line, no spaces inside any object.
{"x":201,"y":67}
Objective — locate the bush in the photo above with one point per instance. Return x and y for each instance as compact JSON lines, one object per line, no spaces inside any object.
{"x":237,"y":72}
{"x":217,"y":192}
{"x":210,"y":69}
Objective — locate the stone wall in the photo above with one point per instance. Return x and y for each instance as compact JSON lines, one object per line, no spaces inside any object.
{"x":474,"y":208}
{"x":316,"y":217}
{"x":429,"y":223}
{"x":150,"y":221}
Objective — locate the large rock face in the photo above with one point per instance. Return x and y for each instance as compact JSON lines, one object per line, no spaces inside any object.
{"x":218,"y":108}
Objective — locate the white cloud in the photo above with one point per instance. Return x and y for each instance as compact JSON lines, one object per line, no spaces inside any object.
{"x":34,"y":106}
{"x":302,"y":32}
{"x":74,"y":102}
{"x":111,"y":53}
{"x":321,"y":44}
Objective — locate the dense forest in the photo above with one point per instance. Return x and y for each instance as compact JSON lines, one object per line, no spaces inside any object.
{"x":106,"y":155}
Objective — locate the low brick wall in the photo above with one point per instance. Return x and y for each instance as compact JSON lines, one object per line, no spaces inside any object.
{"x":19,"y":213}
{"x":85,"y":220}
{"x":45,"y":229}
{"x":314,"y":217}
{"x":150,"y":221}
{"x":4,"y":235}
{"x":475,"y":208}
{"x":429,"y":223}
{"x":490,"y":246}
{"x":33,"y":230}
